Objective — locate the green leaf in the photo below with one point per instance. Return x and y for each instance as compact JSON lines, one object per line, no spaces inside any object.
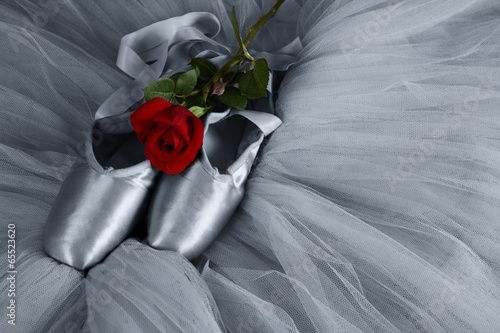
{"x":159,"y":88}
{"x":261,"y":73}
{"x":174,"y":100}
{"x":199,"y":111}
{"x":249,"y":87}
{"x":175,"y":76}
{"x":254,"y":82}
{"x":206,"y":67}
{"x":232,"y":97}
{"x":149,"y":95}
{"x":232,"y":77}
{"x":186,"y":82}
{"x":195,"y":100}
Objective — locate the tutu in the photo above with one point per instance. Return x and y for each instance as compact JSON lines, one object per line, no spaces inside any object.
{"x":373,"y":208}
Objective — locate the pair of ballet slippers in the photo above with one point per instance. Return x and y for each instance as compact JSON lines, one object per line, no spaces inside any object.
{"x":107,"y":192}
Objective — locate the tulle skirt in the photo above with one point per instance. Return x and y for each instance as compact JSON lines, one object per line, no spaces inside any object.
{"x":373,"y":208}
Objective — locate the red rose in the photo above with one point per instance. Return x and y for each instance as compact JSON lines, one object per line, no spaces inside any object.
{"x":173,"y":134}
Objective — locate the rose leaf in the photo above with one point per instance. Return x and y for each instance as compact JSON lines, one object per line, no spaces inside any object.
{"x":232,"y":76}
{"x":206,"y":67}
{"x":254,"y":82}
{"x":186,"y":82}
{"x":233,"y":97}
{"x":199,"y":111}
{"x":159,"y":88}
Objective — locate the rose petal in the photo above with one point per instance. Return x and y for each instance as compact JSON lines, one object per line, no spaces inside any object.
{"x":183,"y":120}
{"x":196,"y":141}
{"x":142,"y":119}
{"x":162,"y":123}
{"x":176,"y":121}
{"x":175,"y":166}
{"x":161,"y":120}
{"x":174,"y":139}
{"x":179,"y":149}
{"x":154,"y":161}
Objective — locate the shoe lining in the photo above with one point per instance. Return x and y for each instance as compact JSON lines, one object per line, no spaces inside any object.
{"x":119,"y":151}
{"x":227,"y":140}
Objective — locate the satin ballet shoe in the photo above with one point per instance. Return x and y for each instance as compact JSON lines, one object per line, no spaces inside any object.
{"x":188,"y":210}
{"x":103,"y":196}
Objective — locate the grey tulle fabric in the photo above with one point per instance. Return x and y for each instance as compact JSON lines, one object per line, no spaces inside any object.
{"x":373,"y":208}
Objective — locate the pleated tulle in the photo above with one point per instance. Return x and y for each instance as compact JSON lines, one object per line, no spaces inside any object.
{"x":373,"y":208}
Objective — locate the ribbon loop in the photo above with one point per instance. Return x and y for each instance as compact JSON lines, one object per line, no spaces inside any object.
{"x":167,"y":46}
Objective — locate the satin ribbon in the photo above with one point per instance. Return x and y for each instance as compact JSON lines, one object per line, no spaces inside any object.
{"x":166,"y":46}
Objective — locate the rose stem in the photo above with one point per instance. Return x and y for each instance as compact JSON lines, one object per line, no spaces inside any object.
{"x":239,"y":56}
